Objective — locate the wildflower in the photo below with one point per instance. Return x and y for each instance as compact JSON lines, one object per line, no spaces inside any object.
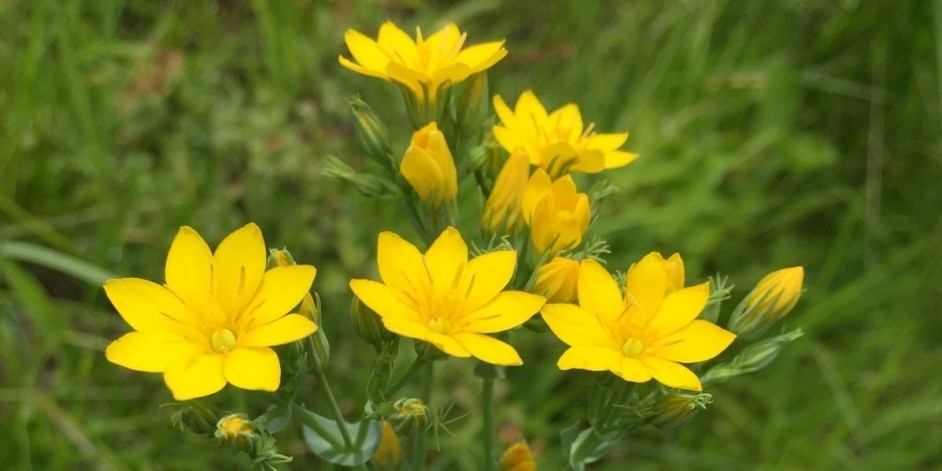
{"x":558,"y":280}
{"x":429,"y":167}
{"x":645,"y":334}
{"x":517,"y":457}
{"x":502,"y":210}
{"x":557,"y":214}
{"x":389,"y":453}
{"x":773,"y":297}
{"x":557,"y":141}
{"x":425,"y":66}
{"x":216,"y":317}
{"x":446,"y":300}
{"x":234,"y":432}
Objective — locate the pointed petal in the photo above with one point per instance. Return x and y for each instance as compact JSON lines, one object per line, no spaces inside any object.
{"x":538,"y":187}
{"x":200,"y":376}
{"x":281,"y":289}
{"x":423,"y":174}
{"x":647,"y":284}
{"x":152,"y":352}
{"x":406,"y":327}
{"x":255,"y":369}
{"x":398,"y":43}
{"x":590,"y":358}
{"x":680,"y":308}
{"x":284,"y":330}
{"x":529,"y":109}
{"x":699,"y":341}
{"x":608,"y":142}
{"x":671,"y":374}
{"x":189,"y":268}
{"x":489,"y":349}
{"x":238,"y":266}
{"x":506,"y":311}
{"x":447,"y":344}
{"x":482,"y":56}
{"x":675,"y":271}
{"x":568,"y":117}
{"x":447,"y":255}
{"x":147,"y":306}
{"x":633,"y":370}
{"x":505,"y":114}
{"x":575,"y":326}
{"x":598,"y":291}
{"x":362,"y":70}
{"x":400,"y":264}
{"x":384,"y":300}
{"x":487,"y":275}
{"x":619,"y":159}
{"x":366,"y":51}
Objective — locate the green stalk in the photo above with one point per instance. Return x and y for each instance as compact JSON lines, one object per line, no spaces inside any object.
{"x":417,"y":365}
{"x":310,"y":422}
{"x":487,"y":399}
{"x":331,"y":400}
{"x":418,"y":453}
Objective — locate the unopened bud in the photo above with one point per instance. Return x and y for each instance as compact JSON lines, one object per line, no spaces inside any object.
{"x":371,"y":133}
{"x":410,"y":413}
{"x":236,"y":433}
{"x":196,"y":417}
{"x":368,"y":324}
{"x":517,"y":457}
{"x":753,"y":358}
{"x":674,"y":410}
{"x":772,"y":298}
{"x":473,"y":103}
{"x":280,"y":258}
{"x":557,"y":280}
{"x":389,"y":453}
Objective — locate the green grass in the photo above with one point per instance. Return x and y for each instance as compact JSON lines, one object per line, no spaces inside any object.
{"x":771,"y":134}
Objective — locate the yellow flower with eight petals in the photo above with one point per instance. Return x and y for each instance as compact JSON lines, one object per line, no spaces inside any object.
{"x":557,"y":214}
{"x":215,"y":319}
{"x":426,"y":66}
{"x":445,"y":299}
{"x":557,"y":142}
{"x":647,"y":333}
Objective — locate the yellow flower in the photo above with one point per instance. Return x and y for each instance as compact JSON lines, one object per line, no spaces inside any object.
{"x":557,"y":214}
{"x":647,"y":333}
{"x":389,"y":453}
{"x":558,"y":280}
{"x":502,"y":210}
{"x":429,"y":167}
{"x":216,"y":317}
{"x":426,"y":66}
{"x":517,"y":457}
{"x":443,"y":298}
{"x":557,"y":142}
{"x":773,"y":297}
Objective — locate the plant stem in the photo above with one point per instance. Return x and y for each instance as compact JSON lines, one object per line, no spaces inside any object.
{"x":414,"y":368}
{"x":487,"y":399}
{"x":418,"y":455}
{"x":331,"y":400}
{"x":310,"y":422}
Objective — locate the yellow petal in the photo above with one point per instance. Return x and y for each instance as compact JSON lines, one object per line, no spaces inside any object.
{"x":361,"y":70}
{"x":647,"y":283}
{"x":588,"y":161}
{"x":675,"y":271}
{"x":401,"y":45}
{"x":384,"y":301}
{"x":671,"y":374}
{"x":529,"y":109}
{"x":200,"y":376}
{"x":238,"y":267}
{"x":400,"y":264}
{"x":619,"y":158}
{"x":632,"y":370}
{"x":366,"y":52}
{"x":506,"y":116}
{"x":489,"y":349}
{"x":189,"y":268}
{"x":410,"y":78}
{"x":152,"y":352}
{"x":482,"y":56}
{"x":538,"y":187}
{"x":423,"y":174}
{"x":569,"y":118}
{"x":699,"y":341}
{"x":680,"y":308}
{"x":576,"y":326}
{"x":487,"y":275}
{"x":608,"y":142}
{"x":598,"y":292}
{"x":447,"y":344}
{"x":147,"y":306}
{"x":507,"y":310}
{"x":281,"y":289}
{"x":590,"y":358}
{"x":253,"y":368}
{"x":281,"y":331}
{"x":447,"y":255}
{"x":407,"y":327}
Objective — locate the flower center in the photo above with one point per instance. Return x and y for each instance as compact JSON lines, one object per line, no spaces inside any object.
{"x":440,"y":325}
{"x":223,"y":340}
{"x":632,"y":348}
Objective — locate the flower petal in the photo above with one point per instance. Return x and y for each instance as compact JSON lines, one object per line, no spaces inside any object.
{"x":384,"y":300}
{"x":598,"y":292}
{"x":148,"y":307}
{"x":619,"y":158}
{"x":529,"y":109}
{"x":406,"y":327}
{"x":489,"y":349}
{"x":189,"y":268}
{"x":575,"y":326}
{"x":366,"y":52}
{"x":590,"y":358}
{"x":152,"y":352}
{"x":508,"y":310}
{"x":608,"y":142}
{"x":280,"y":289}
{"x":680,"y":308}
{"x":400,"y":264}
{"x":646,"y":285}
{"x":278,"y":332}
{"x":633,"y":370}
{"x":699,"y":341}
{"x":238,"y":267}
{"x":198,"y":377}
{"x":398,"y":44}
{"x":447,"y":255}
{"x":487,"y":275}
{"x":253,"y":368}
{"x":482,"y":56}
{"x":447,"y":344}
{"x":671,"y":374}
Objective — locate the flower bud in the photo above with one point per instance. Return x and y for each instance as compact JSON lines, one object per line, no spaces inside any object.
{"x":236,"y":433}
{"x":501,"y":213}
{"x":372,"y":134}
{"x":368,"y":324}
{"x":517,"y":457}
{"x":473,"y":103}
{"x":410,"y":413}
{"x":674,"y":410}
{"x":196,"y":417}
{"x":753,"y":358}
{"x":557,"y":280}
{"x":389,"y":453}
{"x":772,"y":298}
{"x":557,"y":214}
{"x":429,"y":167}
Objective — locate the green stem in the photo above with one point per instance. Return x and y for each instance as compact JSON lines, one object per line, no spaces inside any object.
{"x":321,"y":431}
{"x":331,"y":400}
{"x":418,"y":455}
{"x":487,"y":398}
{"x":417,"y":365}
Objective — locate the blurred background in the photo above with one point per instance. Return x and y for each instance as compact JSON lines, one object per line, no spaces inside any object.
{"x":771,"y":134}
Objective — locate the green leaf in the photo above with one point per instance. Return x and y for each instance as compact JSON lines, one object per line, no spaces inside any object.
{"x":56,"y":260}
{"x":326,"y":441}
{"x":586,"y":446}
{"x":276,"y":418}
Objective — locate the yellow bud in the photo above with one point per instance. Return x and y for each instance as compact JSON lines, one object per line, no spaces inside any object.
{"x":429,"y":167}
{"x":389,"y":453}
{"x":502,"y":210}
{"x":517,"y":457}
{"x":371,"y":132}
{"x":234,"y":432}
{"x":772,"y":298}
{"x":675,"y":271}
{"x":557,"y":280}
{"x":557,"y":214}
